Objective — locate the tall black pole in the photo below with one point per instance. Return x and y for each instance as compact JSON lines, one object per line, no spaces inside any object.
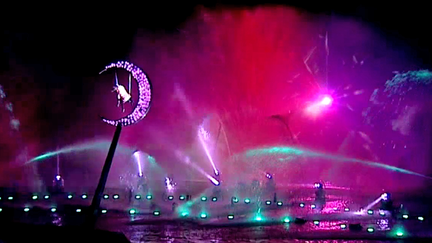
{"x":94,"y":207}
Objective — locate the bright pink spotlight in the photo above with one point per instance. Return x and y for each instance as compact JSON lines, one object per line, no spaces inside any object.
{"x":327,"y":100}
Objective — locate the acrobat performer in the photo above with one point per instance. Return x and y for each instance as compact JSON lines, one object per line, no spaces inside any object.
{"x":123,"y":96}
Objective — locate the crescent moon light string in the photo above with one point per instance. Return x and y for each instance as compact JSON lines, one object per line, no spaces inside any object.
{"x":144,"y":94}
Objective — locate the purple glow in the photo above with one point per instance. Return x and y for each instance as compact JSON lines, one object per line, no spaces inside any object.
{"x":316,"y":107}
{"x":144,"y":94}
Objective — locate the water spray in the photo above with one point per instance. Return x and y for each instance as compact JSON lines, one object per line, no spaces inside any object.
{"x":138,"y":160}
{"x":187,"y":161}
{"x":97,"y":145}
{"x":292,"y":151}
{"x":203,"y":136}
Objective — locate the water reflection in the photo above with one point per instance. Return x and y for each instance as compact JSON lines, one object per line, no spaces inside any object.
{"x":260,"y":234}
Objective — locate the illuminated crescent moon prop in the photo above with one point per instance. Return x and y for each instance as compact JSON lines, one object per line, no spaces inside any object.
{"x":144,"y":95}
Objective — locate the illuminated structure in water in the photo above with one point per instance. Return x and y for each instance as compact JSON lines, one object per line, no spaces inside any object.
{"x":138,"y":113}
{"x":144,"y":94}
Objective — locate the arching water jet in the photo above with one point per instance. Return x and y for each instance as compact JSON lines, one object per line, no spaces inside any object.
{"x":98,"y":145}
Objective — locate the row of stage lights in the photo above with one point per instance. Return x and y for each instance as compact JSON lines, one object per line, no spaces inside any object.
{"x":258,"y":218}
{"x":148,"y":197}
{"x":203,"y":199}
{"x":54,"y":210}
{"x":46,"y":197}
{"x":204,"y":215}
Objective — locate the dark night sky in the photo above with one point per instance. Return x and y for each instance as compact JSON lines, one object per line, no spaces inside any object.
{"x":60,"y":38}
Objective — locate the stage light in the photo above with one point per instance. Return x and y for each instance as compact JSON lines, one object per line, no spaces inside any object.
{"x":258,"y":217}
{"x":34,"y":197}
{"x":399,"y":234}
{"x":385,"y":196}
{"x":279,"y":203}
{"x":343,"y":226}
{"x":170,"y":197}
{"x":137,"y":197}
{"x":247,"y":200}
{"x":0,"y":198}
{"x":1,"y":210}
{"x":116,"y":196}
{"x":286,"y":220}
{"x":132,"y":211}
{"x":104,"y":211}
{"x":214,"y":199}
{"x":46,"y":197}
{"x":78,"y":210}
{"x":106,"y":196}
{"x":313,"y":206}
{"x":420,"y":218}
{"x":346,"y":209}
{"x":203,"y":215}
{"x":302,"y":205}
{"x":184,"y":214}
{"x":316,"y":222}
{"x":234,"y":200}
{"x":370,"y":212}
{"x":182,"y":197}
{"x":326,"y":100}
{"x":269,"y":176}
{"x":370,"y":229}
{"x":69,"y":196}
{"x":318,"y":185}
{"x":268,"y":202}
{"x":10,"y":198}
{"x":230,"y":216}
{"x":203,"y":198}
{"x":214,"y":181}
{"x":405,"y":216}
{"x":149,"y":197}
{"x":382,"y":213}
{"x":53,"y":209}
{"x":26,"y":209}
{"x":84,"y":196}
{"x":156,"y":213}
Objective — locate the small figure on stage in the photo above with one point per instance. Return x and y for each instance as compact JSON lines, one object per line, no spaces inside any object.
{"x":170,"y":185}
{"x":387,"y":204}
{"x":58,"y":184}
{"x":320,"y":199}
{"x":123,"y":96}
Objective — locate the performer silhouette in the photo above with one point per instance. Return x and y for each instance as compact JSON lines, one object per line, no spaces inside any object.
{"x":123,"y":96}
